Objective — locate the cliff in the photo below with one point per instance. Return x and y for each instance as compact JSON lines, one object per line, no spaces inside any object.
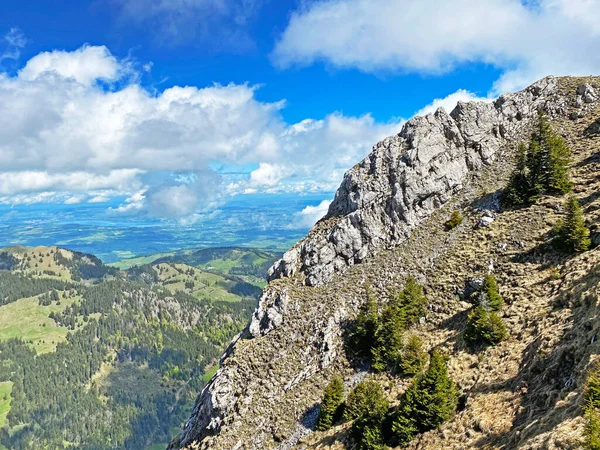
{"x":385,"y":224}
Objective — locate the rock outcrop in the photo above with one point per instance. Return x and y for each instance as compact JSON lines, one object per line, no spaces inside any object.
{"x":410,"y":175}
{"x":273,"y":374}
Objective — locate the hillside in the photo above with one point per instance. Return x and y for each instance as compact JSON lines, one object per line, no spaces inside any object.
{"x":386,"y":224}
{"x":248,"y":264}
{"x":118,"y":355}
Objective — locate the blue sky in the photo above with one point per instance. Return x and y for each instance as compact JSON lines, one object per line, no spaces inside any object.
{"x":177,"y":106}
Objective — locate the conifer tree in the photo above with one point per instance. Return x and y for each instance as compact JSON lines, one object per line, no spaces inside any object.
{"x":591,"y":414}
{"x":412,"y":357}
{"x":402,"y":310}
{"x":492,"y":294}
{"x":572,"y":235}
{"x":388,"y":342}
{"x":367,"y":406}
{"x":484,"y":326}
{"x":332,"y":400}
{"x":362,"y":337}
{"x":412,"y":302}
{"x":430,"y":400}
{"x":541,"y":167}
{"x":518,"y":191}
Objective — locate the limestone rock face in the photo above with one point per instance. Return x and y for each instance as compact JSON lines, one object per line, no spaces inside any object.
{"x":275,"y":371}
{"x":407,"y":176}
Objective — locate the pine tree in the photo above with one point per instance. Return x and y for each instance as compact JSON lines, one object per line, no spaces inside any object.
{"x":332,"y":400}
{"x":484,"y":327}
{"x":362,"y":337}
{"x":518,"y":191}
{"x":402,"y":310}
{"x":413,"y":357}
{"x":367,"y":406}
{"x":591,"y":414}
{"x":541,"y":167}
{"x":412,"y":302}
{"x":572,"y":235}
{"x":388,"y":342}
{"x":430,"y":400}
{"x":491,"y":292}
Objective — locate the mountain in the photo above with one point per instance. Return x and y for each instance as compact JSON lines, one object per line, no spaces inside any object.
{"x":388,"y":223}
{"x":94,"y":357}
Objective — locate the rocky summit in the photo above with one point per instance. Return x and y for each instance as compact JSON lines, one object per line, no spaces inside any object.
{"x":386,"y":223}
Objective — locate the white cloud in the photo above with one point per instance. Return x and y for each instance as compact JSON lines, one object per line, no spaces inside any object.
{"x":184,"y":195}
{"x":74,"y":123}
{"x":85,"y":65}
{"x":267,"y":175}
{"x":449,"y":102}
{"x":15,"y":40}
{"x":62,"y":131}
{"x":76,"y":199}
{"x":527,"y":40}
{"x":311,"y":214}
{"x":12,"y":183}
{"x":99,"y":199}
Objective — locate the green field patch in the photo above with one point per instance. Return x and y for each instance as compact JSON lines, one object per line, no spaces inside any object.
{"x":210,"y":372}
{"x":26,"y":319}
{"x":5,"y":398}
{"x":126,"y":264}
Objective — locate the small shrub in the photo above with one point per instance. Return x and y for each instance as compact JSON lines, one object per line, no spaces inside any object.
{"x":484,"y":327}
{"x":455,"y":220}
{"x":571,"y":234}
{"x":555,"y":273}
{"x":330,"y":406}
{"x":430,"y":400}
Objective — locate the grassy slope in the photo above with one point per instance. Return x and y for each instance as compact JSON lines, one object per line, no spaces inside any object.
{"x":206,"y":285}
{"x":5,"y":390}
{"x":39,"y":259}
{"x":27,"y":320}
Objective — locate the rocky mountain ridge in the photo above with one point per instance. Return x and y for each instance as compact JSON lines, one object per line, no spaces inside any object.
{"x":385,"y":224}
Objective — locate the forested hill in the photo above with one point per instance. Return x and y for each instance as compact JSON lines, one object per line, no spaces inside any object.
{"x":95,"y":357}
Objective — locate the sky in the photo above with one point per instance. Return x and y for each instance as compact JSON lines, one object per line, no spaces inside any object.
{"x":169,"y":109}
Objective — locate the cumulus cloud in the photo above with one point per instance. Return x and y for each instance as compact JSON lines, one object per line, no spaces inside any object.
{"x":527,"y":40}
{"x":85,"y":65}
{"x":184,"y":196}
{"x":267,"y":175}
{"x":79,"y":122}
{"x":311,"y":215}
